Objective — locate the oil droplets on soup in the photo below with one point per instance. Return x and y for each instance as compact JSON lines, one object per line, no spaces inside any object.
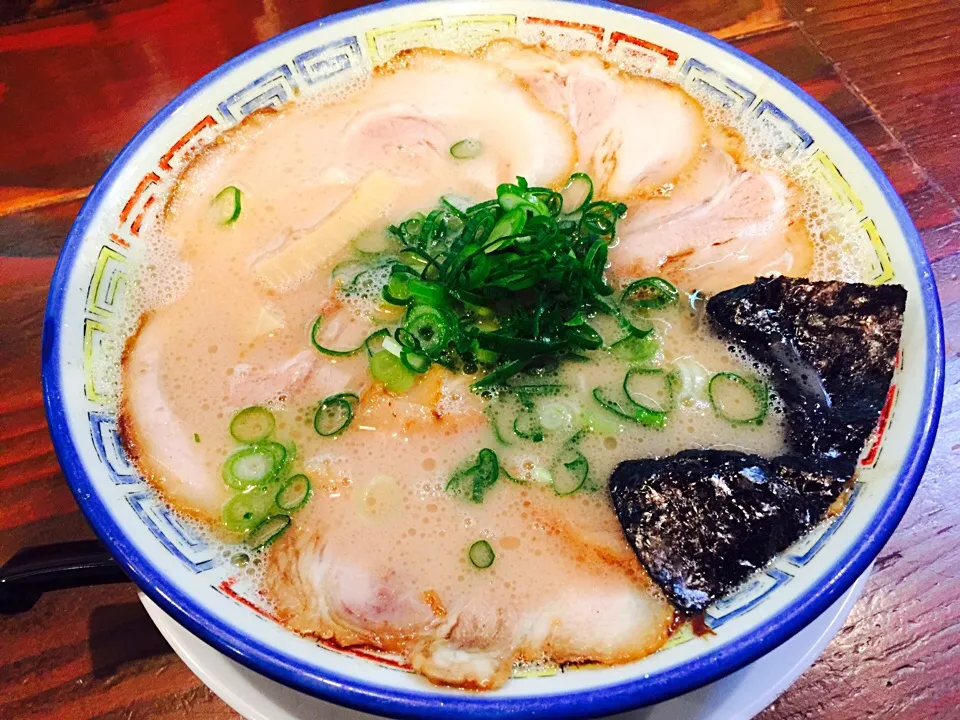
{"x":438,"y":365}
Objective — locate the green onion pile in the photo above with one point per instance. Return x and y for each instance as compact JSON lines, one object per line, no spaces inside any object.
{"x":508,"y":286}
{"x":503,"y":286}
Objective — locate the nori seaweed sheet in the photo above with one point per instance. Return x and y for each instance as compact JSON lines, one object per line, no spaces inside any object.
{"x":702,"y":521}
{"x":832,"y":348}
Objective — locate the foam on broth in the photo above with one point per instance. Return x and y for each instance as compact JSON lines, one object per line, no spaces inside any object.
{"x":379,"y":490}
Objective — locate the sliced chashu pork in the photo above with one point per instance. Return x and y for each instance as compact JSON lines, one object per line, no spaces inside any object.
{"x":423,"y":102}
{"x":403,"y":122}
{"x":568,"y":593}
{"x":634,"y":134}
{"x":696,"y":214}
{"x":159,"y":422}
{"x":721,"y":226}
{"x":297,"y":169}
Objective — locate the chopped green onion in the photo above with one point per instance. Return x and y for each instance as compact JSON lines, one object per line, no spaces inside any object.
{"x":577,"y":193}
{"x":640,"y":393}
{"x":196,"y":437}
{"x":392,"y":346}
{"x":573,"y":476}
{"x":397,"y":290}
{"x":555,"y":416}
{"x":549,"y":199}
{"x":411,"y":227}
{"x":334,"y":414}
{"x":500,"y":375}
{"x":227,"y":203}
{"x":347,"y":270}
{"x":651,"y":293}
{"x":505,"y":284}
{"x":526,"y":426}
{"x":344,"y":352}
{"x":372,"y":242}
{"x":430,"y":327}
{"x":487,"y":472}
{"x":414,"y":361}
{"x":406,"y":339}
{"x":466,"y":149}
{"x":254,"y":465}
{"x":585,"y":337}
{"x":250,"y":425}
{"x":509,"y":225}
{"x":637,"y":413}
{"x":484,"y":356}
{"x":600,"y":422}
{"x":359,"y":282}
{"x":756,"y":390}
{"x":690,"y":380}
{"x":414,"y":259}
{"x":541,"y":475}
{"x":390,"y":370}
{"x":495,"y":414}
{"x":619,"y":314}
{"x":475,"y":480}
{"x":635,"y":349}
{"x":503,"y":343}
{"x":294,"y":493}
{"x":481,"y":554}
{"x":455,"y":204}
{"x":374,"y":341}
{"x":245,"y":511}
{"x":283,"y":456}
{"x":600,"y":218}
{"x":531,"y":202}
{"x":268,"y":531}
{"x":511,"y":478}
{"x":426,"y":292}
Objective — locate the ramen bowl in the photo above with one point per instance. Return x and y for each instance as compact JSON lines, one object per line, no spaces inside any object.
{"x":193,"y":579}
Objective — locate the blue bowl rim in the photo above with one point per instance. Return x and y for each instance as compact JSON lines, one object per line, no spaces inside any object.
{"x":351,"y":692}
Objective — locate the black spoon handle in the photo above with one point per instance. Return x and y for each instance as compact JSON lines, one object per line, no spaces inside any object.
{"x":33,"y":571}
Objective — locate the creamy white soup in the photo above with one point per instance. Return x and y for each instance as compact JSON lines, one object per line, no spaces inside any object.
{"x":342,"y":365}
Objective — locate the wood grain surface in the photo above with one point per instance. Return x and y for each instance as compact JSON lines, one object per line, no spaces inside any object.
{"x":79,"y":77}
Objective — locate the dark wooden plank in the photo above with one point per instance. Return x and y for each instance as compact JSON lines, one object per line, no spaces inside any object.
{"x":19,"y":11}
{"x":30,"y":479}
{"x":723,"y":19}
{"x":903,"y":56}
{"x":38,"y":232}
{"x":106,"y":660}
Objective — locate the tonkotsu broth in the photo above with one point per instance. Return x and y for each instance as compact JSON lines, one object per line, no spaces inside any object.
{"x":378,"y":556}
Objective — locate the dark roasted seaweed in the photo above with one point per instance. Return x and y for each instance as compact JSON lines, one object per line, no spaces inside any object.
{"x":702,"y":521}
{"x":832,"y":348}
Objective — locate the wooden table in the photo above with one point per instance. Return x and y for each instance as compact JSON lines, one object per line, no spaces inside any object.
{"x":79,"y":77}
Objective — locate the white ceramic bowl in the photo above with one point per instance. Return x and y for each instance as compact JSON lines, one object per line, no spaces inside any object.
{"x":190,"y":580}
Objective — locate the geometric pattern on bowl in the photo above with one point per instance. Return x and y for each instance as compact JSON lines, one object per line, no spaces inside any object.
{"x":335,"y":60}
{"x":290,"y":66}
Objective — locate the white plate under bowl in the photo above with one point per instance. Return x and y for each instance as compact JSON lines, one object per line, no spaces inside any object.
{"x":188,"y":577}
{"x":739,"y":696}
